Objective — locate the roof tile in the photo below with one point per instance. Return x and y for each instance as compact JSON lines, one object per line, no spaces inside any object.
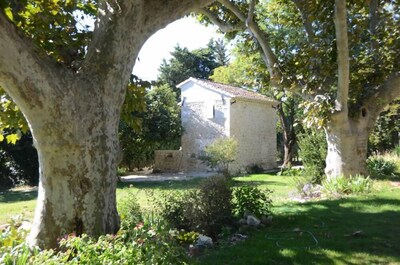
{"x":232,"y":91}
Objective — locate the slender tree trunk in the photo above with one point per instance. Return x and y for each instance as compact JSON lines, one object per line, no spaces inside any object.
{"x":347,"y":147}
{"x":289,"y":136}
{"x":288,"y":149}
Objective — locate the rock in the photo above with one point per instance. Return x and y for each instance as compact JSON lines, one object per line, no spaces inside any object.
{"x":307,"y":188}
{"x":204,"y":241}
{"x":253,"y":221}
{"x":236,"y":238}
{"x":25,"y":226}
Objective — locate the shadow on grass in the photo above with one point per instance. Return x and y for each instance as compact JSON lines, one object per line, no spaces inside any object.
{"x":17,"y":196}
{"x":395,"y":177}
{"x":162,"y":185}
{"x":347,"y":231}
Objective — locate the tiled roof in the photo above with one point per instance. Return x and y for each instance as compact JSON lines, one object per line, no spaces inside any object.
{"x":235,"y":92}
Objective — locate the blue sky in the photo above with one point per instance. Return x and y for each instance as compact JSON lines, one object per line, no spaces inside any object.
{"x":186,"y":31}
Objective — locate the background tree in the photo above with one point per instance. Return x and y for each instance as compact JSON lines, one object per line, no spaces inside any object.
{"x":332,"y":48}
{"x":160,"y":129}
{"x":199,"y":63}
{"x":386,"y":133}
{"x":72,"y":98}
{"x":248,"y":71}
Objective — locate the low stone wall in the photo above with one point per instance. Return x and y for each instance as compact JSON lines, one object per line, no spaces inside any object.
{"x":167,"y":160}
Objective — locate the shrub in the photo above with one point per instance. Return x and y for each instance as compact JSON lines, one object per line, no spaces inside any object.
{"x":206,"y":210}
{"x":250,"y":199}
{"x":130,"y":211}
{"x":379,"y":167}
{"x":13,"y":249}
{"x":149,"y":242}
{"x":172,"y":209}
{"x":344,"y":186}
{"x":396,"y":150}
{"x":291,"y":172}
{"x":219,"y":154}
{"x":209,"y":209}
{"x":312,"y":151}
{"x":254,"y":169}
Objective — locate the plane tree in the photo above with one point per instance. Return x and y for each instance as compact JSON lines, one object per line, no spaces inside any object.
{"x":343,"y":62}
{"x":72,"y":100}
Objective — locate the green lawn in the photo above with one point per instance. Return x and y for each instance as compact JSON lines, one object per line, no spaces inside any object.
{"x":354,"y":230}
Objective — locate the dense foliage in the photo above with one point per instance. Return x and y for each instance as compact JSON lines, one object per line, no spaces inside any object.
{"x":18,"y":163}
{"x":381,"y":168}
{"x":341,"y":186}
{"x":386,"y":133}
{"x":312,"y":151}
{"x":159,"y":128}
{"x":199,"y":63}
{"x":220,"y":153}
{"x":251,"y":200}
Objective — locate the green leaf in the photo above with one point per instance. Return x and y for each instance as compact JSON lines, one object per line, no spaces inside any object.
{"x":9,"y":13}
{"x":12,"y":138}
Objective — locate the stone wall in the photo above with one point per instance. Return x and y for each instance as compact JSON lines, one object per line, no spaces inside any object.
{"x":203,"y":122}
{"x":167,"y":160}
{"x":253,"y":125}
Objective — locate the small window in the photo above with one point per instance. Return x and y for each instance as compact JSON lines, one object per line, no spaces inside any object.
{"x":209,"y":111}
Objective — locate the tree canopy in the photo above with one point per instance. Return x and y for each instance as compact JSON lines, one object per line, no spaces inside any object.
{"x":338,"y":56}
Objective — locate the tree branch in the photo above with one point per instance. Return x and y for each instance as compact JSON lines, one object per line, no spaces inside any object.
{"x":343,"y":56}
{"x":306,"y":21}
{"x":250,"y":13}
{"x":27,"y":74}
{"x":267,"y":54}
{"x":373,"y":24}
{"x":224,"y":27}
{"x":121,"y":29}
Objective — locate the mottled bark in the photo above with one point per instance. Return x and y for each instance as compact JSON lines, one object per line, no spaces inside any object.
{"x":347,"y":140}
{"x":74,"y":116}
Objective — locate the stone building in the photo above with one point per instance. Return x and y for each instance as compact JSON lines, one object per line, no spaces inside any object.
{"x":212,"y":110}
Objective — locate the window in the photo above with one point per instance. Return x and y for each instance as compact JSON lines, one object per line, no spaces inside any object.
{"x":209,"y":111}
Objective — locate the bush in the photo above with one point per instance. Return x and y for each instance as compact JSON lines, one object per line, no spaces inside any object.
{"x":220,"y":154}
{"x":312,"y":151}
{"x":379,"y":167}
{"x":206,"y":210}
{"x":396,"y":150}
{"x":209,"y":209}
{"x":250,"y":199}
{"x":172,"y":209}
{"x":149,"y":242}
{"x":130,"y":211}
{"x":344,"y":186}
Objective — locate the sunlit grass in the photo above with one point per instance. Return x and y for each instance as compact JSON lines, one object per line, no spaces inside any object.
{"x":361,"y":229}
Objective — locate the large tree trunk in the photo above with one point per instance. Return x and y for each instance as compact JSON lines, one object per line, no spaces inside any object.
{"x":74,"y":115}
{"x":77,"y":149}
{"x":347,"y":140}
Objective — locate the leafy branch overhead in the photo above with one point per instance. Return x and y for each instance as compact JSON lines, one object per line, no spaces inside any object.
{"x":297,"y":42}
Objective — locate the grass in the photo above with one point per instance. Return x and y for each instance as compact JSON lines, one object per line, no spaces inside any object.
{"x":353,"y":230}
